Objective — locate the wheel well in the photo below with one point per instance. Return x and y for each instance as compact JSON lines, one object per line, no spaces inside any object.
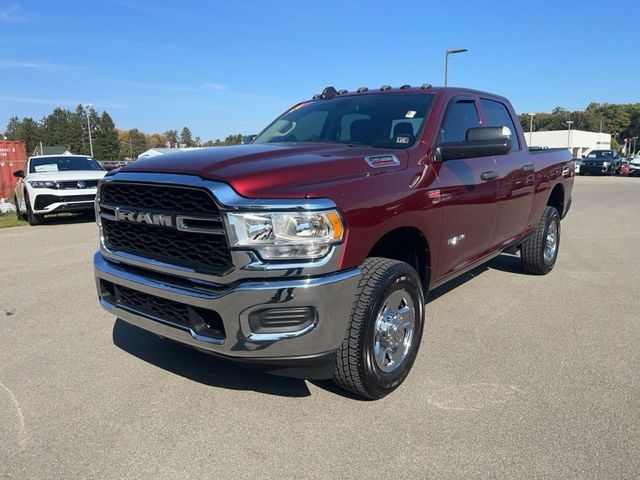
{"x":556,"y":199}
{"x":406,"y":244}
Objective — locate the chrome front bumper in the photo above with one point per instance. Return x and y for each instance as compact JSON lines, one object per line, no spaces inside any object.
{"x":330,"y":295}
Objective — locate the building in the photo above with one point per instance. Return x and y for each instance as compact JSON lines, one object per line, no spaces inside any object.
{"x":579,"y":142}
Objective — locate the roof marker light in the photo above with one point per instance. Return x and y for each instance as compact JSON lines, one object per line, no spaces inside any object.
{"x":362,"y":90}
{"x":405,"y":87}
{"x":384,"y":88}
{"x":425,"y":86}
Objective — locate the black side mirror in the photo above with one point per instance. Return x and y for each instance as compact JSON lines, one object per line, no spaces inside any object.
{"x":248,"y":139}
{"x":479,"y":142}
{"x":18,"y":174}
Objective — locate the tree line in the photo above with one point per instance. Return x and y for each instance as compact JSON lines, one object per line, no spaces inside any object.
{"x":622,"y":121}
{"x":70,"y":128}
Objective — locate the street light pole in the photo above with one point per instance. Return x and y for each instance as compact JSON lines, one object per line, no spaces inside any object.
{"x":569,"y":122}
{"x":88,"y":106}
{"x":446,"y":61}
{"x":531,"y":115}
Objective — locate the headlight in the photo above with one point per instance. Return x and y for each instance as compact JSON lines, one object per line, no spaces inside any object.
{"x":605,"y":164}
{"x":280,"y":235}
{"x":46,"y":184}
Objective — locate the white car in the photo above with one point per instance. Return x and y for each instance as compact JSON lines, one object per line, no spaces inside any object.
{"x":55,"y":184}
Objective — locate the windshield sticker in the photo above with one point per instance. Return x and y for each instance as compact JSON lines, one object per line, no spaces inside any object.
{"x":50,"y":167}
{"x":410,"y":114}
{"x":402,"y":139}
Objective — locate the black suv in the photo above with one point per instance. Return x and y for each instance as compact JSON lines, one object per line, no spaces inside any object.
{"x":602,"y":162}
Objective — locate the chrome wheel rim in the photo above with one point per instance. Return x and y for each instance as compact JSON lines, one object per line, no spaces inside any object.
{"x":551,"y":243}
{"x":394,"y":329}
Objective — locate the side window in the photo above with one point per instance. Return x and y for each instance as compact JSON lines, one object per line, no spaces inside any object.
{"x":498,"y":116}
{"x":459,"y":117}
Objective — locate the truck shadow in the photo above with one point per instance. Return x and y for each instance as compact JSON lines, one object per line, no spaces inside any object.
{"x":508,"y":262}
{"x":200,"y":367}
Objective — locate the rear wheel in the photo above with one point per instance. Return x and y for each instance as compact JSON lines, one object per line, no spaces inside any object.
{"x":385,"y":329}
{"x":539,"y":252}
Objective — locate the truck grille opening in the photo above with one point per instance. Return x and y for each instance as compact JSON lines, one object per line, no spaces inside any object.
{"x":202,"y":321}
{"x":158,"y":198}
{"x":202,"y":252}
{"x":206,"y":253}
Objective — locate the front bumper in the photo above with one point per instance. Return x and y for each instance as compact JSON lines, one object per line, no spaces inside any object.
{"x":598,"y":169}
{"x":54,"y":201}
{"x":307,"y":352}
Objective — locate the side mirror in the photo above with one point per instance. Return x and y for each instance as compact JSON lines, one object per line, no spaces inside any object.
{"x":248,"y":139}
{"x":479,"y":142}
{"x":18,"y":174}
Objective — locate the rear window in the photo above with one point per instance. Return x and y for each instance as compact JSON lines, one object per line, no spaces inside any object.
{"x":498,"y":116}
{"x":391,"y":121}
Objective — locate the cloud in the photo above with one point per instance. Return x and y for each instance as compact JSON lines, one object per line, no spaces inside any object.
{"x":32,"y":65}
{"x":214,"y":86}
{"x":8,"y":14}
{"x":60,"y":102}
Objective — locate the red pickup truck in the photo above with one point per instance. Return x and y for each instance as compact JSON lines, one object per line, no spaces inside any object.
{"x":310,"y":251}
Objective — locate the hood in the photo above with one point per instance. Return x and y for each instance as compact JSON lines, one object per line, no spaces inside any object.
{"x":271,"y":170}
{"x":67,"y":175}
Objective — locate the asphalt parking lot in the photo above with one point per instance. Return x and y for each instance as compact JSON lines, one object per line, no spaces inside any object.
{"x":518,"y":376}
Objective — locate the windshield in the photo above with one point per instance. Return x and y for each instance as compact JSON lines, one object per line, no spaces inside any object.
{"x":601,"y":154}
{"x":62,"y":164}
{"x":381,"y":121}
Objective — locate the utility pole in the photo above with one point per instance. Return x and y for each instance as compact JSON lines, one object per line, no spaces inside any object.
{"x":569,"y":122}
{"x":446,"y":61}
{"x":531,"y":115}
{"x":88,"y":106}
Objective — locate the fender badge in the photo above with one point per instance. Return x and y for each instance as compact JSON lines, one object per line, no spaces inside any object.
{"x":433,"y":194}
{"x":381,"y":161}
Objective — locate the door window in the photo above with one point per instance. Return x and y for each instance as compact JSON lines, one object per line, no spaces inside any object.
{"x":498,"y":116}
{"x":460,"y":116}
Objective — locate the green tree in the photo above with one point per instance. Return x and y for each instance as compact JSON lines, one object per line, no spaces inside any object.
{"x":105,"y":139}
{"x":131,"y":144}
{"x":26,"y":130}
{"x":186,"y":139}
{"x":172,"y":137}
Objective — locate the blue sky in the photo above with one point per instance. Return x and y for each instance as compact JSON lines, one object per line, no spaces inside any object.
{"x":231,"y":66}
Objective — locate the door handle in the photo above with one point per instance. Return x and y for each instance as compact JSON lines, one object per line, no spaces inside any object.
{"x":528,"y":167}
{"x":490,"y":175}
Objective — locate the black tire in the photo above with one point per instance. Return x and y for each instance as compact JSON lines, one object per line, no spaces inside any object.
{"x":532,"y":250}
{"x":356,"y":368}
{"x":32,"y":218}
{"x":18,"y":212}
{"x":581,"y":173}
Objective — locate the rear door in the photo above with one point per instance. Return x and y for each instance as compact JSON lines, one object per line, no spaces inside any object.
{"x":465,"y":191}
{"x":516,"y":172}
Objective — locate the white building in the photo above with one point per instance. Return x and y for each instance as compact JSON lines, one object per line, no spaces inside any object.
{"x":578,"y":141}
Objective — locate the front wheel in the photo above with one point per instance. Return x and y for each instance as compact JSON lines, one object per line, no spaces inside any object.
{"x":385,"y":329}
{"x":539,"y":252}
{"x":32,"y":218}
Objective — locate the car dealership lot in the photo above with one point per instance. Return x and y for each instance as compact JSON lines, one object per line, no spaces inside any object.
{"x":518,"y":376}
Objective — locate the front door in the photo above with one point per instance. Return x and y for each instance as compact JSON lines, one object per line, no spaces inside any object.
{"x":465,"y":191}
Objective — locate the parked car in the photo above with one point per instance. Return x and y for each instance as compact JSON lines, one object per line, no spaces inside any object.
{"x":578,"y":162}
{"x":310,"y":251}
{"x":634,"y":167}
{"x":54,"y":184}
{"x":601,"y":162}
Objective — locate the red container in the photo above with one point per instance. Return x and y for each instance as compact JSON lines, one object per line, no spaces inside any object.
{"x":12,"y":157}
